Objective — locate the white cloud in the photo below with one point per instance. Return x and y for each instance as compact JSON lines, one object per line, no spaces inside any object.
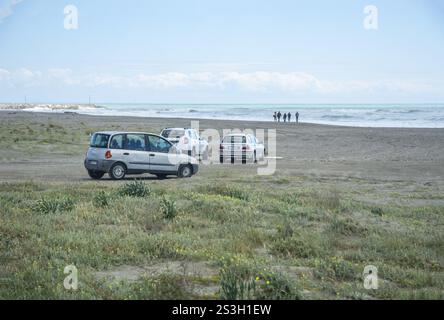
{"x":259,"y":81}
{"x":272,"y":80}
{"x":8,"y":9}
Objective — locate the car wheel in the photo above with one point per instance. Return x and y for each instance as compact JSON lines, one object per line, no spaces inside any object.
{"x":161,"y":176}
{"x":185,"y":171}
{"x":221,"y":159}
{"x":96,"y":175}
{"x":117,"y":171}
{"x":254,"y":157}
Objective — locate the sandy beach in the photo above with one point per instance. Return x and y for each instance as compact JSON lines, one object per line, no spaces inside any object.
{"x":386,"y":154}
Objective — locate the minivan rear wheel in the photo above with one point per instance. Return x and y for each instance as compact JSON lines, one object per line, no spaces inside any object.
{"x":96,"y":174}
{"x":185,"y":171}
{"x":117,"y":171}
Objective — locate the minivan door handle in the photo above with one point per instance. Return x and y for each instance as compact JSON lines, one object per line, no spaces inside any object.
{"x":152,"y":154}
{"x":126,"y":154}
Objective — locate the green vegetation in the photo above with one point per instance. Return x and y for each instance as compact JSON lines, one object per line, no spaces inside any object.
{"x":169,"y":209}
{"x":102,"y":199}
{"x":46,"y":206}
{"x":285,"y":246}
{"x":135,"y":189}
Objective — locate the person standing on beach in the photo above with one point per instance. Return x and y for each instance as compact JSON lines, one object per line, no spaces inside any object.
{"x":297,"y":117}
{"x":274,"y":116}
{"x":279,"y":116}
{"x":285,"y":117}
{"x":289,"y":117}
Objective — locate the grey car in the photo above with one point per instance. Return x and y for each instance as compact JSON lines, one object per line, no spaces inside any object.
{"x":121,"y":153}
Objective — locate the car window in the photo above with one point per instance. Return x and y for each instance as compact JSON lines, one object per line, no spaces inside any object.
{"x":117,"y":141}
{"x":239,"y":139}
{"x":135,"y":142}
{"x":99,"y":140}
{"x":157,"y":144}
{"x":171,"y":133}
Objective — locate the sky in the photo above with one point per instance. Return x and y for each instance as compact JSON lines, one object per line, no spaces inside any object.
{"x":230,"y":51}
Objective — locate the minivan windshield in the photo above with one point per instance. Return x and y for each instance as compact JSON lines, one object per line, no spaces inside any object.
{"x":99,"y":140}
{"x":172,"y":133}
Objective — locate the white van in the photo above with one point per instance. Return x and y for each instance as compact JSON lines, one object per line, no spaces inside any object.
{"x":121,"y":153}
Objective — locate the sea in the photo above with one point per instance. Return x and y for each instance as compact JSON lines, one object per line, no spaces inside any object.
{"x":357,"y":115}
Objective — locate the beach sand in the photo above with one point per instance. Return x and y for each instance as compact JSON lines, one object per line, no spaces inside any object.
{"x":385,"y":154}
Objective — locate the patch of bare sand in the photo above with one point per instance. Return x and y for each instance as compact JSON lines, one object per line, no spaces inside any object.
{"x":135,"y":273}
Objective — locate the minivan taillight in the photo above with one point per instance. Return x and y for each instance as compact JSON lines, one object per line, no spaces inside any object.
{"x":247,"y":147}
{"x":108,"y":154}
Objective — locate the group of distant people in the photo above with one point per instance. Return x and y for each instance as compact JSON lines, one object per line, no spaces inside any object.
{"x":285,"y":116}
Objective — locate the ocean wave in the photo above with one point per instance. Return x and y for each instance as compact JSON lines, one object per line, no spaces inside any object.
{"x":48,"y":107}
{"x":336,"y":117}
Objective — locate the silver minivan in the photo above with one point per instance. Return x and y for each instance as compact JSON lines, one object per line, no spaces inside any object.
{"x":120,"y":153}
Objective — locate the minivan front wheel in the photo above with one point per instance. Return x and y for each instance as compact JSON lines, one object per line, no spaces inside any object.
{"x":185,"y":171}
{"x":117,"y":171}
{"x":96,"y":174}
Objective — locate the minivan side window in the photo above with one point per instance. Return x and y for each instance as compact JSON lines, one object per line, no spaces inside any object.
{"x":99,"y":140}
{"x":157,"y":144}
{"x":117,"y":141}
{"x":135,"y":142}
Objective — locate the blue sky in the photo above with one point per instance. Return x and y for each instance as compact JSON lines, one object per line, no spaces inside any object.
{"x":201,"y":51}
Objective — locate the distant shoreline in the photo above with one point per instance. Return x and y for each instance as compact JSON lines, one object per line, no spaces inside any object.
{"x":347,"y":115}
{"x":247,"y":123}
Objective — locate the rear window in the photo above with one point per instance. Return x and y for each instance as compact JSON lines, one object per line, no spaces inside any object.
{"x":235,"y":139}
{"x":172,"y":133}
{"x":99,"y":140}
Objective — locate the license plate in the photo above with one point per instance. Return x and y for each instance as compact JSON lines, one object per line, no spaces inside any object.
{"x":93,"y":162}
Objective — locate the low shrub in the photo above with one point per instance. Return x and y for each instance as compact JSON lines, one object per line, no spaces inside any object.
{"x":169,"y":209}
{"x":46,"y":206}
{"x":347,"y":227}
{"x":135,"y":189}
{"x":377,"y":211}
{"x":275,"y":286}
{"x":101,"y":199}
{"x":336,"y":268}
{"x":295,"y":243}
{"x":296,"y":246}
{"x":164,"y":287}
{"x":239,"y":282}
{"x":236,"y":283}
